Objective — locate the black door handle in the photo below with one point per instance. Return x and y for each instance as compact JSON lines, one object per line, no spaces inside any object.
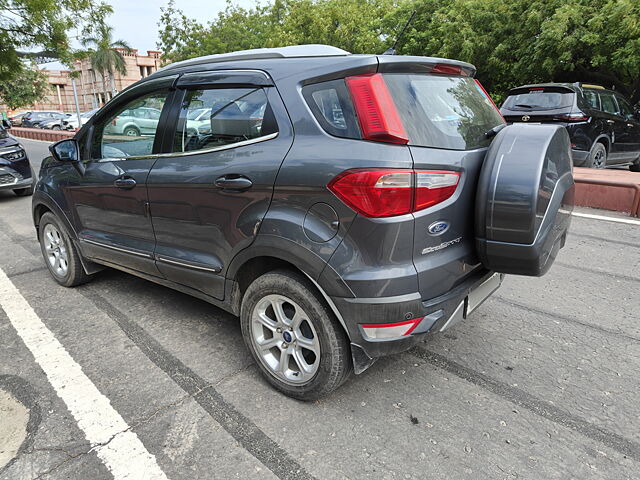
{"x":233,"y":182}
{"x":126,"y":183}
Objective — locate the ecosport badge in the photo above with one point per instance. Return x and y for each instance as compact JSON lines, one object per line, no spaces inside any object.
{"x":441,"y":246}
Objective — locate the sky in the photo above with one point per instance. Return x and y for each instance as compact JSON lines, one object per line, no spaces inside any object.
{"x":136,"y":21}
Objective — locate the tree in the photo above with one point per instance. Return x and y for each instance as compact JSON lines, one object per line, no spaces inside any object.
{"x":26,"y":89}
{"x":355,"y":25}
{"x":41,"y":25}
{"x":104,"y":57}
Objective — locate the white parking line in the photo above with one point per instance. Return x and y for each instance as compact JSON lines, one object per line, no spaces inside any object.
{"x":628,"y":221}
{"x":116,"y":445}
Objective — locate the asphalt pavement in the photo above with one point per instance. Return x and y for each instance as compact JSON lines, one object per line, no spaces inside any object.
{"x":541,"y":383}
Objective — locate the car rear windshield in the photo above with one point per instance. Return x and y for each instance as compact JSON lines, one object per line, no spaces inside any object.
{"x":439,"y":111}
{"x":539,"y":99}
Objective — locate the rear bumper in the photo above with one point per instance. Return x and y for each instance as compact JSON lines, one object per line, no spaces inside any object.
{"x":438,"y":313}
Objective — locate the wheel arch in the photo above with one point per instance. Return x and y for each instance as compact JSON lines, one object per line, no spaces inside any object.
{"x":605,"y":140}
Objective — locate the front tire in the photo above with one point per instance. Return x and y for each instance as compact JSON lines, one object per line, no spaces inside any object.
{"x":635,"y":166}
{"x":294,"y":338}
{"x":59,"y":252}
{"x":597,"y":156}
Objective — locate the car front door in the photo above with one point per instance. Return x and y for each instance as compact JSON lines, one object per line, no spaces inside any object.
{"x":630,"y":135}
{"x":109,"y":199}
{"x":209,"y":196}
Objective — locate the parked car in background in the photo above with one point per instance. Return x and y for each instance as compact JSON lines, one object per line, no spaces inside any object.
{"x":71,"y":122}
{"x":15,"y":170}
{"x":343,"y":206}
{"x":16,"y":119}
{"x":134,"y":122}
{"x":55,"y":123}
{"x":34,"y":118}
{"x":603,"y":126}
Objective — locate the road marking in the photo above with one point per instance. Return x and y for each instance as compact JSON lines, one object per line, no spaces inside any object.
{"x":116,"y":445}
{"x":604,"y":217}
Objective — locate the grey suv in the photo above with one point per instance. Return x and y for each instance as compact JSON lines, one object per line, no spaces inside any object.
{"x":343,"y":206}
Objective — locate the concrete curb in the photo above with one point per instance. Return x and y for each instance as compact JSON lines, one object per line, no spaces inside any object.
{"x":616,"y":190}
{"x":41,"y":134}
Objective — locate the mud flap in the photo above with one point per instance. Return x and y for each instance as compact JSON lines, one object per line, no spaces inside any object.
{"x":524,"y":199}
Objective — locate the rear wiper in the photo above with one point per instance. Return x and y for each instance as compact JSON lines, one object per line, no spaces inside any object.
{"x":524,"y":105}
{"x":494,"y":131}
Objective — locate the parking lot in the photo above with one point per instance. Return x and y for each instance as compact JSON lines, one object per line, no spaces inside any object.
{"x":542,"y":382}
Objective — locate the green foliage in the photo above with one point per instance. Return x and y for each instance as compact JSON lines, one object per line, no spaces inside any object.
{"x":511,"y":42}
{"x":26,"y":88}
{"x":42,"y":25}
{"x":355,"y":25}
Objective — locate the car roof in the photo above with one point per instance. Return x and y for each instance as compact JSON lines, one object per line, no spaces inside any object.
{"x":296,"y":59}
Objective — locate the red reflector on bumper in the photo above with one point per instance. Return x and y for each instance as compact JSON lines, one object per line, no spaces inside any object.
{"x":383,"y":331}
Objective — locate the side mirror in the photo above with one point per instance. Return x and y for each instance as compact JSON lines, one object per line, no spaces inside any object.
{"x":67,"y":151}
{"x":6,"y":124}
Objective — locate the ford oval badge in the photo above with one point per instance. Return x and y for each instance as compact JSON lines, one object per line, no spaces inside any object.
{"x":436,"y":228}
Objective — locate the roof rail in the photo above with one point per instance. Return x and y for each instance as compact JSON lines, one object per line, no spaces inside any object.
{"x":313,"y":50}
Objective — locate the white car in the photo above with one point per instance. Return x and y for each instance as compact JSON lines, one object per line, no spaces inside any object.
{"x":71,"y":122}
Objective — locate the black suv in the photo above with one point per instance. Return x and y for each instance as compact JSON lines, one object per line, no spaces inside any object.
{"x":15,"y":169}
{"x":343,"y":206}
{"x":603,"y":126}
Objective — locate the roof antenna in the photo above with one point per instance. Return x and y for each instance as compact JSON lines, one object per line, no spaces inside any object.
{"x":392,"y":50}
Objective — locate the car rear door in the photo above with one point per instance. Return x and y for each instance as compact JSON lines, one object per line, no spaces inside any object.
{"x":209,"y":193}
{"x":109,"y":199}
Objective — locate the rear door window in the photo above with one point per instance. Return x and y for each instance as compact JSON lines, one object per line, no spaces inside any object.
{"x":591,"y":99}
{"x":608,"y":102}
{"x":539,"y":99}
{"x":443,"y":112}
{"x":217,"y":117}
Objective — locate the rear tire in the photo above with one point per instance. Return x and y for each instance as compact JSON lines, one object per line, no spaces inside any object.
{"x":294,"y":338}
{"x":60,"y":254}
{"x":131,"y":132}
{"x":597,"y":156}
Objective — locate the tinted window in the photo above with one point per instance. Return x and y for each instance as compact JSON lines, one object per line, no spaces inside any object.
{"x":625,"y":107}
{"x":443,"y":112}
{"x":608,"y":103}
{"x":122,"y":134}
{"x":591,"y":99}
{"x":331,"y":104}
{"x":542,"y":99}
{"x":218,"y":117}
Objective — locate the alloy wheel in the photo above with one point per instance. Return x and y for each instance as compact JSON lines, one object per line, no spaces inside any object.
{"x":56,"y":250}
{"x":285,"y":339}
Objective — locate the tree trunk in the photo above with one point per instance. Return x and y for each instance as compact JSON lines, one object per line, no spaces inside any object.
{"x":113,"y":85}
{"x":104,"y":86}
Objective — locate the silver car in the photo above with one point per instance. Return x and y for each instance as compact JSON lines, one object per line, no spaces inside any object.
{"x":135,"y":122}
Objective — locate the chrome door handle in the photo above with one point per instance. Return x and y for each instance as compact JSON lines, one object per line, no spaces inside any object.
{"x":629,"y":124}
{"x":125,"y":183}
{"x":611,"y":121}
{"x":233,"y":182}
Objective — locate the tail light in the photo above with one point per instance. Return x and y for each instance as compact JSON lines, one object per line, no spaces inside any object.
{"x":383,"y":331}
{"x":390,"y":192}
{"x":114,"y":121}
{"x":572,"y":117}
{"x":377,"y":114}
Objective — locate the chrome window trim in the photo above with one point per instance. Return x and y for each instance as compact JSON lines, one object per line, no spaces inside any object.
{"x":251,"y":141}
{"x":119,"y":249}
{"x":188,"y":265}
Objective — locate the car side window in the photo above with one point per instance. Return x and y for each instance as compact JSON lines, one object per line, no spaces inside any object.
{"x":625,"y":108}
{"x":608,"y":103}
{"x":217,"y":117}
{"x":122,"y":133}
